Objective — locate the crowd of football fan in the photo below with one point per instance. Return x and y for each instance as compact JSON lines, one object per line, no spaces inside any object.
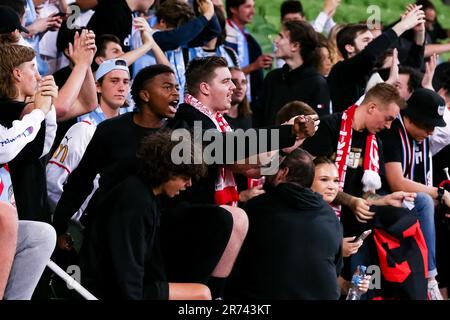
{"x":353,"y":118}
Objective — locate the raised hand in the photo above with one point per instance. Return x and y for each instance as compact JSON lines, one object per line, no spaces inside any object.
{"x":46,"y":93}
{"x":330,"y":6}
{"x":41,"y":25}
{"x":393,"y":72}
{"x":430,"y":67}
{"x":146,"y":31}
{"x":413,"y":16}
{"x":419,"y":30}
{"x":83,"y":49}
{"x":206,"y":8}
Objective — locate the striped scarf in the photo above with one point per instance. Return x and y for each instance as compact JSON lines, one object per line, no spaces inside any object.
{"x":226,"y":190}
{"x":371,"y":180}
{"x":409,"y":159}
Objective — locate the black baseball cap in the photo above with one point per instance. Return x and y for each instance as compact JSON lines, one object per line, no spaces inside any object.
{"x":10,"y":21}
{"x":427,"y":107}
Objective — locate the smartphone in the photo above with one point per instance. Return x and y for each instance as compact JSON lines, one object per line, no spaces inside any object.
{"x":60,"y":14}
{"x":363,"y":235}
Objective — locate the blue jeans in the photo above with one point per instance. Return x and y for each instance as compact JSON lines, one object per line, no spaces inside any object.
{"x":425,"y":213}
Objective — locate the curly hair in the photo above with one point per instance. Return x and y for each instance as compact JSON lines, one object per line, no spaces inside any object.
{"x":156,"y":164}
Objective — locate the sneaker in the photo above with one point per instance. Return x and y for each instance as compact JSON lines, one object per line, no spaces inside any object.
{"x":433,"y":291}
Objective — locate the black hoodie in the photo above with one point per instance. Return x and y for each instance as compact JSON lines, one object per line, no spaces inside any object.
{"x":293,"y":247}
{"x":284,"y":85}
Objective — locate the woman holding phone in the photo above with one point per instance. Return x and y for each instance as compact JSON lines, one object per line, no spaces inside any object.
{"x":326,"y":182}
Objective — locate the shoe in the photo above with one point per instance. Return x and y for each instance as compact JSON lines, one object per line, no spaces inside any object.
{"x":433,"y":291}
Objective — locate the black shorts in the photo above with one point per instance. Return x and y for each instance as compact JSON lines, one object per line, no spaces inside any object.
{"x":193,"y":239}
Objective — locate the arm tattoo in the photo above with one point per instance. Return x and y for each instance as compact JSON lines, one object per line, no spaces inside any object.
{"x":343,"y":198}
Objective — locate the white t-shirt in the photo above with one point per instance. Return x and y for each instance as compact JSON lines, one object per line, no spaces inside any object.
{"x":441,"y":135}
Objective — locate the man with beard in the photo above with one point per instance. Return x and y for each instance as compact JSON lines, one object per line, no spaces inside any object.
{"x":348,"y":78}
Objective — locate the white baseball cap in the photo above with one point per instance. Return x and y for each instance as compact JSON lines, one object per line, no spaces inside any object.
{"x":110,"y":65}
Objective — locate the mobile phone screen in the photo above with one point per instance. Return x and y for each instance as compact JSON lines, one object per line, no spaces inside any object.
{"x":363,"y":235}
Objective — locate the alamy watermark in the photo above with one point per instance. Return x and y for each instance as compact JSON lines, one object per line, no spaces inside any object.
{"x":375,"y":280}
{"x":232,"y":148}
{"x":75,"y":12}
{"x":75,"y":272}
{"x":373,"y":22}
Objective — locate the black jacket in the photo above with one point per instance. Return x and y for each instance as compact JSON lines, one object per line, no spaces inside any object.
{"x":348,"y":78}
{"x":283,"y":85}
{"x":110,"y":153}
{"x":121,"y":257}
{"x":27,"y":169}
{"x":293,"y":247}
{"x":113,"y":17}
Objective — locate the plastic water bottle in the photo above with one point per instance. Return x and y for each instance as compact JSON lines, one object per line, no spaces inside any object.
{"x":354,"y":293}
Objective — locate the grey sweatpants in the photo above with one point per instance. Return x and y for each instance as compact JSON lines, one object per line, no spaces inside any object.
{"x":35,"y":244}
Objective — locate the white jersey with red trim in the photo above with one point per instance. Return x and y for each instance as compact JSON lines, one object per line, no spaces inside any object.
{"x":65,"y":159}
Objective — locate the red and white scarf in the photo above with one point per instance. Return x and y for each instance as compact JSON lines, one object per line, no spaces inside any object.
{"x":226,"y":190}
{"x":371,"y":179}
